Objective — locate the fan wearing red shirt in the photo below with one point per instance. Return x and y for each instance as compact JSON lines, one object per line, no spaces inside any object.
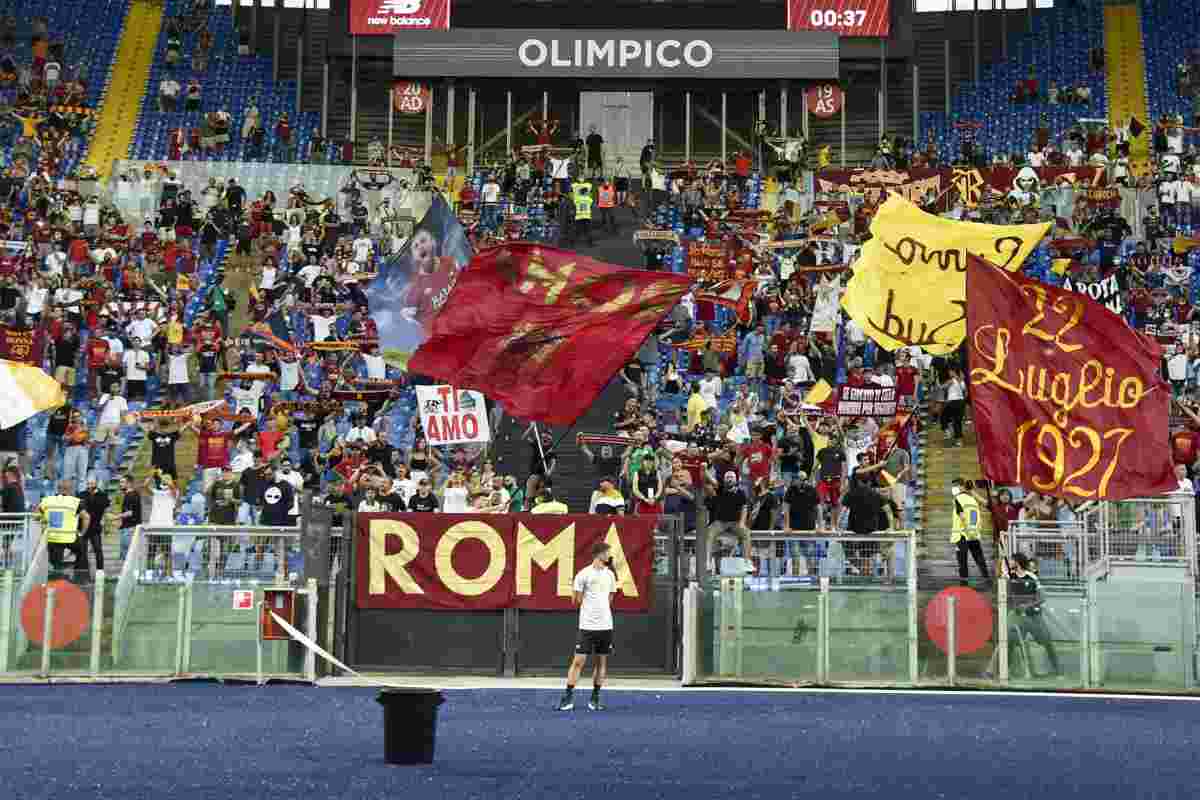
{"x":212,"y":453}
{"x":97,"y":355}
{"x":907,"y":378}
{"x":1185,"y":444}
{"x":758,"y":456}
{"x":269,"y":441}
{"x":694,"y":461}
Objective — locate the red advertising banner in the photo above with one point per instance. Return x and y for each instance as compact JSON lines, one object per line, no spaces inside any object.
{"x":23,"y":345}
{"x":843,"y":17}
{"x":409,"y":97}
{"x":468,"y":562}
{"x":386,"y":17}
{"x":1068,"y":399}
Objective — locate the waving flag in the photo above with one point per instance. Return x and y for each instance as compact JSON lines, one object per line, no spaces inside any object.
{"x":1068,"y":399}
{"x":735,"y":294}
{"x":543,"y":330}
{"x":26,"y":390}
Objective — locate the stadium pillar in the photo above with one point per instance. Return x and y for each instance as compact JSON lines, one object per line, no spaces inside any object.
{"x":545,"y":106}
{"x":946,"y":68}
{"x":1004,"y":29}
{"x":508,"y":143}
{"x":450,"y":113}
{"x":429,"y":130}
{"x":724,"y":126}
{"x":391,"y":114}
{"x":760,"y":130}
{"x":325,"y":100}
{"x":687,"y":125}
{"x":353,"y":88}
{"x":1029,"y":4}
{"x":301,"y":42}
{"x":253,"y":27}
{"x":471,"y":131}
{"x":783,"y":110}
{"x":975,"y":42}
{"x":845,"y":99}
{"x":879,"y":113}
{"x":883,"y":86}
{"x":275,"y":44}
{"x":916,"y":103}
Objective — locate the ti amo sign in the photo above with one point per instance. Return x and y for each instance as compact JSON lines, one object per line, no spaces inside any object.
{"x":467,"y":562}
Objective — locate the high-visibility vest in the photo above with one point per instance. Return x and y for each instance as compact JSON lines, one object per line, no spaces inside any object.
{"x":583,"y":206}
{"x":553,"y":507}
{"x":608,"y":196}
{"x":966,"y":519}
{"x":61,"y":514}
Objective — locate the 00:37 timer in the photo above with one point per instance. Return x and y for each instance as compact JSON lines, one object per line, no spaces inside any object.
{"x":836,"y":19}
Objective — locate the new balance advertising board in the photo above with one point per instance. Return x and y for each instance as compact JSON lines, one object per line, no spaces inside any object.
{"x":497,"y":53}
{"x":384,"y":17}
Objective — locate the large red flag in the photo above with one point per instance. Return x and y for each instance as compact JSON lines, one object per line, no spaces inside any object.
{"x":1068,"y":399}
{"x":543,"y":330}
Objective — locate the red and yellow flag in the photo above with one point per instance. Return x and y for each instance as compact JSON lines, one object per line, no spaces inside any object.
{"x":1068,"y":399}
{"x":542,"y":330}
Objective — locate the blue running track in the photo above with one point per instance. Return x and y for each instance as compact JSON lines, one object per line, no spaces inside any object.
{"x":207,"y":742}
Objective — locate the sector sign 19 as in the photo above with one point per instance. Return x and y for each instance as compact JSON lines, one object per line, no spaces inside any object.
{"x":843,"y":17}
{"x":387,"y":17}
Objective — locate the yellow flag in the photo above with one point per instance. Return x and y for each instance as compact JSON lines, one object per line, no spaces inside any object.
{"x":1059,"y":266}
{"x":909,"y":285}
{"x":819,"y":393}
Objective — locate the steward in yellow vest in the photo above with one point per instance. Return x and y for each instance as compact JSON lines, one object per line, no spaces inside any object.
{"x":62,"y":518}
{"x":966,"y":531}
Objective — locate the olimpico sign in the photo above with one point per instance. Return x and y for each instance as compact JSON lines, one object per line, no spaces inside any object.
{"x":666,"y":54}
{"x":625,"y":54}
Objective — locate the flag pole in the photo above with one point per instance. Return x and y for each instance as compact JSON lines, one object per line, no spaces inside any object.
{"x":537,"y":437}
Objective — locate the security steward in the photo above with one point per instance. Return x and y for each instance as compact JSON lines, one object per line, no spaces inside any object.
{"x":582,"y":193}
{"x":63,"y":517}
{"x":966,"y":533}
{"x":1025,"y":601}
{"x":606,"y":201}
{"x":546,"y":504}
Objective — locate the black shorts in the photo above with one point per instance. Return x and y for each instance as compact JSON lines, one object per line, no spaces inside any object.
{"x":599,"y":643}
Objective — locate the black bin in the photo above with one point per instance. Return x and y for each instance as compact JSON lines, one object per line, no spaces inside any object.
{"x":409,"y":724}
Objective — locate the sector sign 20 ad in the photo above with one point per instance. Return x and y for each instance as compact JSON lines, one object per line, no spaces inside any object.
{"x":843,"y":17}
{"x":388,"y":17}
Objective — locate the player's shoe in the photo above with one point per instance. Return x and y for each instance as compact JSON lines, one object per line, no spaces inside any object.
{"x":567,"y":703}
{"x":595,"y":705}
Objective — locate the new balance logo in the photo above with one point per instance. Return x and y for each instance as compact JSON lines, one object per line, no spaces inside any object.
{"x":399,"y":7}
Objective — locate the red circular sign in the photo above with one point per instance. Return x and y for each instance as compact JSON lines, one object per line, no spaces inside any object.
{"x":824,"y":99}
{"x":972,"y":616}
{"x":72,"y":613}
{"x":410,"y":98}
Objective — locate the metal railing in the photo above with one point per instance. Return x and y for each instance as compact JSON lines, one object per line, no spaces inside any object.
{"x":1058,"y":549}
{"x":217,"y":553}
{"x":780,"y":557}
{"x":18,"y":533}
{"x":1148,"y":530}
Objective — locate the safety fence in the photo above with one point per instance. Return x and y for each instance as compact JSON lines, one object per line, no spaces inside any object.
{"x":1137,"y":636}
{"x":188,"y":602}
{"x":18,"y":536}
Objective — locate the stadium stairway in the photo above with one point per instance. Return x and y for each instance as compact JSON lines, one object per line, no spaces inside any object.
{"x":123,"y":101}
{"x":941,"y":464}
{"x":1125,"y":65}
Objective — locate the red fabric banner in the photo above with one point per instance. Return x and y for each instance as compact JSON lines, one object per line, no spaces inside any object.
{"x":386,"y":17}
{"x":24,"y":345}
{"x":469,"y":562}
{"x":1068,"y":399}
{"x":543,"y":330}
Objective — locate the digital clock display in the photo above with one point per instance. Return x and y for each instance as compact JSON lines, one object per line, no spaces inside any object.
{"x":844,"y":17}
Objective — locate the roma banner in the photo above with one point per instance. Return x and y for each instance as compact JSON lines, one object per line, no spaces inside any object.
{"x":22,"y":344}
{"x":543,"y":330}
{"x":1068,"y":400}
{"x":1109,"y":292}
{"x":453,"y":416}
{"x":909,"y":283}
{"x":467,"y":562}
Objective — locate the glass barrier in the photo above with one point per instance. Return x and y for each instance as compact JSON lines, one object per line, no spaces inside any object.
{"x":1112,"y":634}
